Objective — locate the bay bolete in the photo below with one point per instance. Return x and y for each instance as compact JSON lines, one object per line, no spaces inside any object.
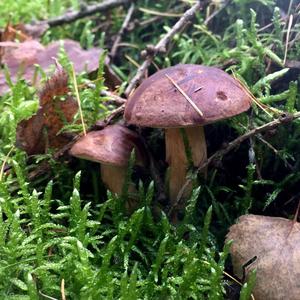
{"x":111,"y":147}
{"x":185,"y":96}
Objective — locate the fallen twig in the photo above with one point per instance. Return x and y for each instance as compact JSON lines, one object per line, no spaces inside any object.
{"x":114,"y":113}
{"x":86,"y":11}
{"x":123,"y":29}
{"x":235,"y":143}
{"x":161,"y":46}
{"x":216,"y":12}
{"x":106,"y":93}
{"x":112,"y":97}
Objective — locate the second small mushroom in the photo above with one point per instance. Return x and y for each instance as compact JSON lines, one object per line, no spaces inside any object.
{"x":111,"y":147}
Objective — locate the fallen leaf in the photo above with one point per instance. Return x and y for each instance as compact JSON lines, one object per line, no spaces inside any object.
{"x":23,"y":56}
{"x":41,"y":131}
{"x":275,"y":242}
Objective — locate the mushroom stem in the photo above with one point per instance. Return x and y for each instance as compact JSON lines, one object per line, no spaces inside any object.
{"x":114,"y":179}
{"x":178,"y":161}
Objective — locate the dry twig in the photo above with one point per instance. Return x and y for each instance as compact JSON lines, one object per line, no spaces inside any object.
{"x":161,"y":46}
{"x":86,"y":11}
{"x":123,"y":29}
{"x":114,"y":113}
{"x":217,"y":156}
{"x":215,"y":13}
{"x":112,"y":97}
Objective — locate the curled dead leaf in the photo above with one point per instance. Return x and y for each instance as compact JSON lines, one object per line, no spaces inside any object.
{"x":275,"y":242}
{"x":41,"y":131}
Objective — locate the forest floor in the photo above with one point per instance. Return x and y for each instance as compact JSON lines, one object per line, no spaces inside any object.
{"x":68,"y":69}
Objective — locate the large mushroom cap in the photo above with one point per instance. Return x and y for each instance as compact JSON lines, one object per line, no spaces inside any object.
{"x":112,"y":145}
{"x":158,"y":103}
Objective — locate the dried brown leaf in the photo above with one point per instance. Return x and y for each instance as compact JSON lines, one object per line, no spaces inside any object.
{"x":276,"y":244}
{"x":41,"y":131}
{"x":24,"y":55}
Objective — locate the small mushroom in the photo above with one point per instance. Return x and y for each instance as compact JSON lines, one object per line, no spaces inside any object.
{"x":160,"y":102}
{"x":111,"y":147}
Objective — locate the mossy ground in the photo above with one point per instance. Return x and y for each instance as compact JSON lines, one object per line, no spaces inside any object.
{"x":64,"y":228}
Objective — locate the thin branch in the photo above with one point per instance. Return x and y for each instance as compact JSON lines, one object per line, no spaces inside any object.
{"x":113,"y":114}
{"x":276,"y":152}
{"x":217,"y":156}
{"x":86,"y":11}
{"x":215,"y":13}
{"x":112,"y":97}
{"x":106,"y":93}
{"x":123,"y":29}
{"x":161,"y":46}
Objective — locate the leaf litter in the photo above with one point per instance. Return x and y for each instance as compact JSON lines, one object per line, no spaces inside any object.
{"x":42,"y":130}
{"x":275,"y":242}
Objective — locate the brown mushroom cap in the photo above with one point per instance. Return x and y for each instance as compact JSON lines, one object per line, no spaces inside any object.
{"x":112,"y":145}
{"x":158,"y":103}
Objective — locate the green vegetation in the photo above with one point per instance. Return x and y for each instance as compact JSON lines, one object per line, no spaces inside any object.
{"x":99,"y":252}
{"x":64,"y":227}
{"x":26,"y":11}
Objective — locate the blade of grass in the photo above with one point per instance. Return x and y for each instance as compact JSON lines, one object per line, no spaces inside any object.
{"x":78,"y":99}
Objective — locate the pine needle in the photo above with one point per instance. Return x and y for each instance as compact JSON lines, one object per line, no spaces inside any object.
{"x":185,"y":96}
{"x":159,"y":13}
{"x":78,"y":99}
{"x":254,"y":99}
{"x":130,"y":59}
{"x":287,"y":38}
{"x":236,"y":281}
{"x":232,"y":278}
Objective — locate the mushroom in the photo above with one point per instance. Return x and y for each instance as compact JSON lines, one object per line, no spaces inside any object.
{"x":111,"y":147}
{"x":185,"y":96}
